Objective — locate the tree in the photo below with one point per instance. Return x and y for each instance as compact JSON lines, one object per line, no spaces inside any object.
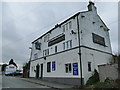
{"x":3,"y":67}
{"x":12,"y":62}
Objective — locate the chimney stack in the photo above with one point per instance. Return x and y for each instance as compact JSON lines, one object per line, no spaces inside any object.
{"x":91,"y":7}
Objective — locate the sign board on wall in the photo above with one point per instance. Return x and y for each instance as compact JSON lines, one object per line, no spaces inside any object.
{"x":53,"y":66}
{"x":75,"y":68}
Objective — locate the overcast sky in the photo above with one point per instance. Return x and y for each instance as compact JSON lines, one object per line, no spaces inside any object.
{"x":23,"y":22}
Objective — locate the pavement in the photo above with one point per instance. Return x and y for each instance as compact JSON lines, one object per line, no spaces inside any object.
{"x":50,"y":84}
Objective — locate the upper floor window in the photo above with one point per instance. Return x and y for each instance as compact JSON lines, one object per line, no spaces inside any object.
{"x":46,"y":37}
{"x":63,"y":28}
{"x":64,"y":46}
{"x":55,"y":49}
{"x":46,"y":52}
{"x":67,"y":26}
{"x":70,"y":43}
{"x":70,"y":25}
{"x":35,"y":56}
{"x":98,"y":39}
{"x":38,"y":46}
{"x":67,"y":44}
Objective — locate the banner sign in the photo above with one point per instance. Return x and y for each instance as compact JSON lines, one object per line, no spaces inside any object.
{"x":53,"y":66}
{"x":75,"y":68}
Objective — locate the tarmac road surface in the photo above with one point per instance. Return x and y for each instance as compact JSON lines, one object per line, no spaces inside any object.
{"x":12,"y":82}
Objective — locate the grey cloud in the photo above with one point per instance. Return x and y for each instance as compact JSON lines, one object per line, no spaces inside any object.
{"x":24,"y":22}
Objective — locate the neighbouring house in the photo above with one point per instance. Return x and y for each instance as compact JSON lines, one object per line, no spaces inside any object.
{"x":11,"y":68}
{"x":69,"y":52}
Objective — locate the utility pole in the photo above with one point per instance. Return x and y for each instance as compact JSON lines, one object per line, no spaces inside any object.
{"x":79,"y":51}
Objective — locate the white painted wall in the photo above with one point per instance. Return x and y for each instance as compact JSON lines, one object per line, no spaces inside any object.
{"x":86,"y":29}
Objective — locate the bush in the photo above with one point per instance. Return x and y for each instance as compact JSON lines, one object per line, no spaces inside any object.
{"x":93,"y":79}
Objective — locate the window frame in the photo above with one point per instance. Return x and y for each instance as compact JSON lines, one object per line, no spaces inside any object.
{"x":64,"y":46}
{"x":98,"y":39}
{"x":63,"y":28}
{"x":70,"y":25}
{"x":70,"y":43}
{"x":89,"y":66}
{"x":35,"y":55}
{"x":68,"y":68}
{"x":56,"y":49}
{"x":48,"y":66}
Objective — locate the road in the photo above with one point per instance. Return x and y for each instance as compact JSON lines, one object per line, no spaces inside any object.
{"x":12,"y":82}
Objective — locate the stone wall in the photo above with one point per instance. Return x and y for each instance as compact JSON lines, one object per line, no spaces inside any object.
{"x":108,"y":71}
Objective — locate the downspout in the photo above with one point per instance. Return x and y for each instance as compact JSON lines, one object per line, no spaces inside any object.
{"x":79,"y":50}
{"x":30,"y":60}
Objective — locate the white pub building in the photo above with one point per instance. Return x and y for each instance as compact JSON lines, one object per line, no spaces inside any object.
{"x":69,"y":52}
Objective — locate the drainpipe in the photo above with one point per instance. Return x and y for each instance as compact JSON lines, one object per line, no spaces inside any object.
{"x":30,"y":58}
{"x":79,"y":51}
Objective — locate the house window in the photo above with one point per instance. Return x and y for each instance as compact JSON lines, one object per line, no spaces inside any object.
{"x":38,"y":46}
{"x":67,"y":26}
{"x":55,"y":49}
{"x":32,"y":69}
{"x":49,"y":67}
{"x":68,"y":68}
{"x":46,"y":37}
{"x":63,"y":46}
{"x":89,"y":66}
{"x":67,"y":44}
{"x":98,"y":39}
{"x":35,"y":56}
{"x":63,"y":28}
{"x":70,"y":43}
{"x":46,"y":52}
{"x":70,"y":25}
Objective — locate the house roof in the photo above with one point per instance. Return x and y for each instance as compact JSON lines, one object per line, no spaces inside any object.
{"x":59,"y":25}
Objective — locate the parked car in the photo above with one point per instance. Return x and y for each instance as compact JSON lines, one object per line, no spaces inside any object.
{"x":7,"y":73}
{"x":16,"y":73}
{"x":13,"y":73}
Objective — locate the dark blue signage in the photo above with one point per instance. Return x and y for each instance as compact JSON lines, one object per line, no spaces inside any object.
{"x":53,"y":66}
{"x":75,"y":68}
{"x":37,"y":45}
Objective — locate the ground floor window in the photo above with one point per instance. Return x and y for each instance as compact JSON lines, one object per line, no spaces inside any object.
{"x":68,"y":68}
{"x":49,"y":67}
{"x":89,"y":66}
